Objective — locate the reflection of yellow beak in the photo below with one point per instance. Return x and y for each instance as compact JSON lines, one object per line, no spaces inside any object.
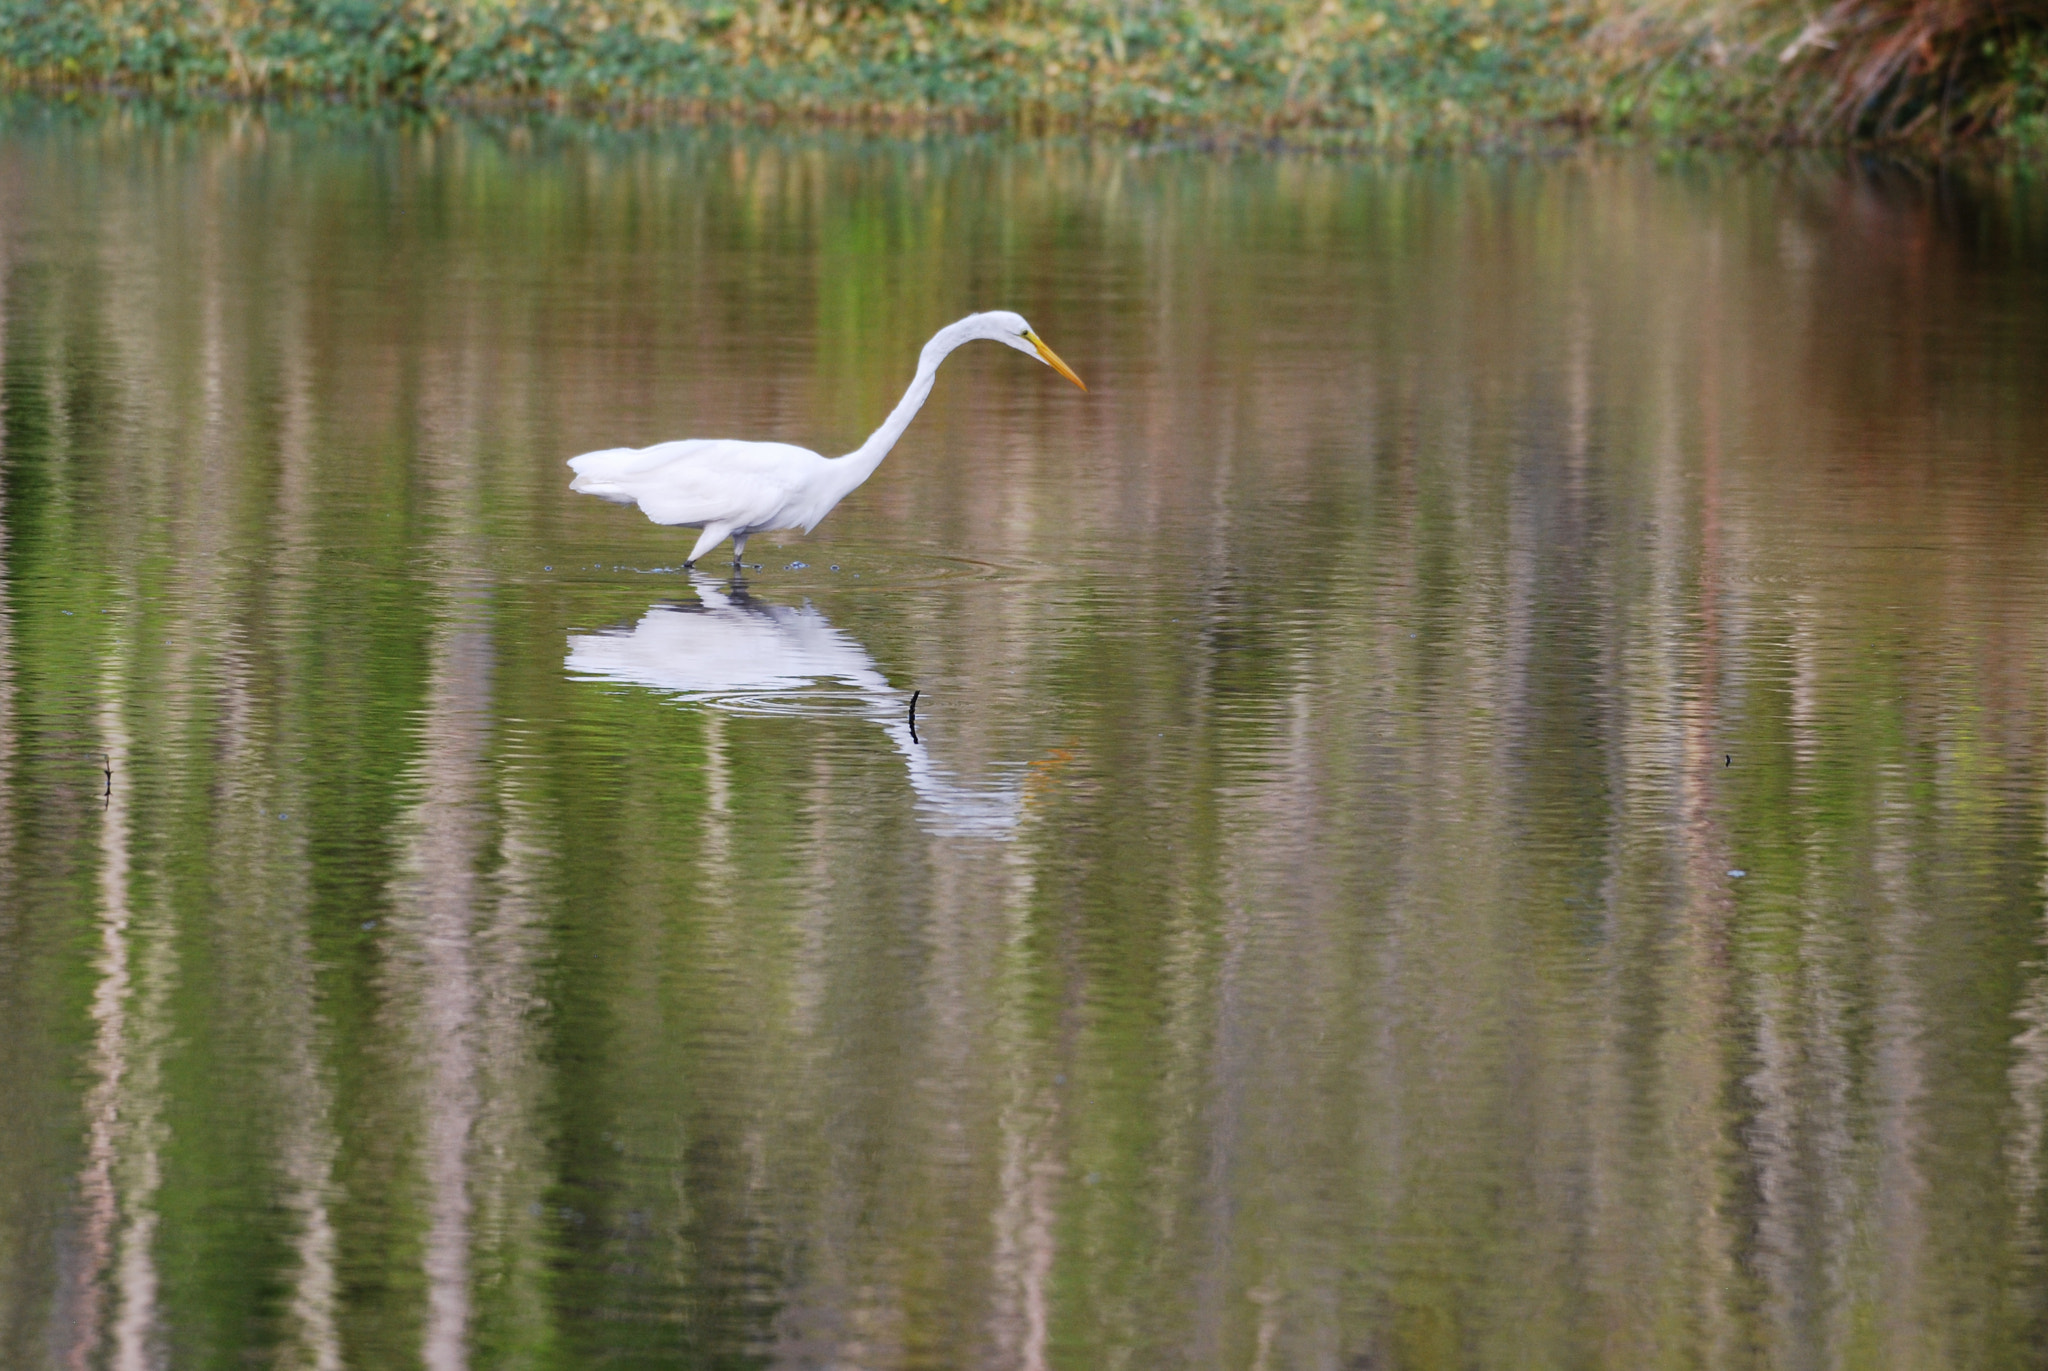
{"x":1052,"y":359}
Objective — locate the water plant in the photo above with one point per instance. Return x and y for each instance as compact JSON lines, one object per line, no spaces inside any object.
{"x":1863,"y":69}
{"x":1358,"y":72}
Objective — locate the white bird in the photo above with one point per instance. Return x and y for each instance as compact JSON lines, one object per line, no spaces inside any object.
{"x":732,"y":489}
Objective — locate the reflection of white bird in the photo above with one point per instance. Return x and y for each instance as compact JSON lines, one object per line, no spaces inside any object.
{"x":730,"y":651}
{"x":732,"y":489}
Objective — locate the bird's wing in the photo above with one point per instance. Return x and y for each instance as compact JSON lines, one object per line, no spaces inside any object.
{"x":596,"y":470}
{"x":701,"y":481}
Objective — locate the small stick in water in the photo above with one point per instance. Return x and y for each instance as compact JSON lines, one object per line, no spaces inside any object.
{"x":913,"y":715}
{"x":108,"y":767}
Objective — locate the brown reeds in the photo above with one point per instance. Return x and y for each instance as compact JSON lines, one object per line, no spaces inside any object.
{"x":1898,"y":69}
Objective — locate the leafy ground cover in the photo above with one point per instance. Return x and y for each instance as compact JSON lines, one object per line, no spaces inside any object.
{"x":1381,"y":73}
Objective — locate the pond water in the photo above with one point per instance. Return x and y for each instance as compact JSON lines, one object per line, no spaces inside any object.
{"x":1481,"y":800}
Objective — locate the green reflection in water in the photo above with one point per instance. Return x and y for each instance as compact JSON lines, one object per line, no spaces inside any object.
{"x":1303,"y":931}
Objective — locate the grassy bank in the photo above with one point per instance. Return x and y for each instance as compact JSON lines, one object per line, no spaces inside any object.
{"x":1417,"y":73}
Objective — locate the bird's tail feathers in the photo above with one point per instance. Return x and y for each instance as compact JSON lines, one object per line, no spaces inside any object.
{"x":598,"y":472}
{"x":603,"y":492}
{"x":611,"y":461}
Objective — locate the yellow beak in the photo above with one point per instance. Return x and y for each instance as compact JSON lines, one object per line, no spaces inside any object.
{"x":1052,"y":359}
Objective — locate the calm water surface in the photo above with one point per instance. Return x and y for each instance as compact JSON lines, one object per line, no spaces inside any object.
{"x":1481,"y":801}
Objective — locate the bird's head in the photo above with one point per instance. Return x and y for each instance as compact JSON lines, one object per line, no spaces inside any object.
{"x":1008,"y":328}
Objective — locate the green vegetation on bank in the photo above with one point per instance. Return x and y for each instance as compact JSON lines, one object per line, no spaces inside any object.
{"x":1383,"y":73}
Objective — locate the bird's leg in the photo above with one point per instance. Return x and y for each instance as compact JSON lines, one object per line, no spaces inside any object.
{"x":739,"y":548}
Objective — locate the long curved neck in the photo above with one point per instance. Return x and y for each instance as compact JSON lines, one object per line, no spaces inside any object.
{"x":858,"y":465}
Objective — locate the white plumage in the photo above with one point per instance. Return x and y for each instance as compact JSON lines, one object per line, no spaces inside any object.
{"x":730,"y":488}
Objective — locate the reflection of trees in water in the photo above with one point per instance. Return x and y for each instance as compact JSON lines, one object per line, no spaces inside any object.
{"x":1371,"y":985}
{"x":110,"y":1291}
{"x":461,"y":990}
{"x":460,"y":974}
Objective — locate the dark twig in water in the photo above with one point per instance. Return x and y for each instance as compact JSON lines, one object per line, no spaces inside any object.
{"x":108,"y":767}
{"x":913,"y":715}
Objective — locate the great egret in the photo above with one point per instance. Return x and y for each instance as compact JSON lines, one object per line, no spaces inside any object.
{"x":731,"y":489}
{"x":730,"y":651}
